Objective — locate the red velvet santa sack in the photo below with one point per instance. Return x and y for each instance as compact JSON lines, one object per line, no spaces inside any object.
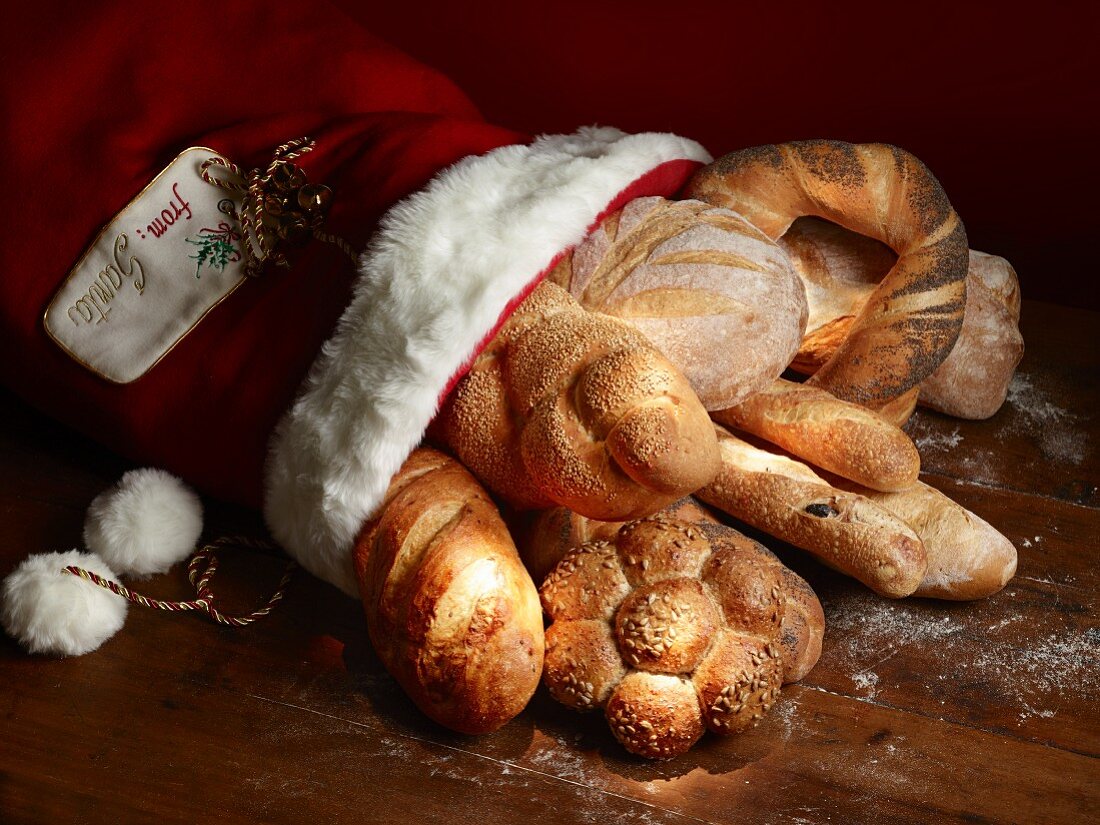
{"x":128,"y":308}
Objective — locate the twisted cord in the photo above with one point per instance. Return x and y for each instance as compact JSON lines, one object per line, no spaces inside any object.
{"x":200,"y":572}
{"x":260,"y":245}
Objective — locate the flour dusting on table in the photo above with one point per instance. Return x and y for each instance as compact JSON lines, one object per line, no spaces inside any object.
{"x":942,"y":442}
{"x":1059,"y":432}
{"x":986,"y":658}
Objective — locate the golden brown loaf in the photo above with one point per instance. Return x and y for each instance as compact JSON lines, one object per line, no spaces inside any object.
{"x":787,"y":499}
{"x":839,"y":436}
{"x":840,"y":270}
{"x":908,"y":325}
{"x":710,"y":290}
{"x":973,"y":381}
{"x":452,"y":613}
{"x":967,"y":558}
{"x":545,"y":536}
{"x":551,"y":534}
{"x":670,"y":630}
{"x":571,"y":407}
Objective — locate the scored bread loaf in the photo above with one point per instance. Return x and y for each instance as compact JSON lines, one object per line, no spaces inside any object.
{"x":787,"y":499}
{"x":709,"y":289}
{"x":841,"y":269}
{"x":566,"y":406}
{"x":909,"y":323}
{"x":548,"y":537}
{"x":839,"y":436}
{"x":669,"y":630}
{"x":967,"y":557}
{"x":452,"y":613}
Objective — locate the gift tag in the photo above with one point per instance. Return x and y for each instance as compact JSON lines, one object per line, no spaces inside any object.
{"x":168,"y":258}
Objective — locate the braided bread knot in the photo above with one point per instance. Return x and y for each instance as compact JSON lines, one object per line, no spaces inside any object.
{"x":671,"y":628}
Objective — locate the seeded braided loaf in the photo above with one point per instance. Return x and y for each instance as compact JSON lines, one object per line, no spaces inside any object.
{"x":571,"y":407}
{"x":674,"y":627}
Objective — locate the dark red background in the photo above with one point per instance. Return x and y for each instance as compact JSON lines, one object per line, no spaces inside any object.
{"x":998,"y":99}
{"x":95,"y":98}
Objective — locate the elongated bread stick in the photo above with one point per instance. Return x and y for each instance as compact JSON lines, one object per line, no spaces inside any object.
{"x":839,"y":436}
{"x":787,"y":499}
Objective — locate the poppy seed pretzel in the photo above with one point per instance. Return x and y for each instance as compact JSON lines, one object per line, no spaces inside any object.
{"x":910,"y":322}
{"x":671,"y":627}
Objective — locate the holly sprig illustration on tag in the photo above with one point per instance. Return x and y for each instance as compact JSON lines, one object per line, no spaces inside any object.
{"x":215,"y":248}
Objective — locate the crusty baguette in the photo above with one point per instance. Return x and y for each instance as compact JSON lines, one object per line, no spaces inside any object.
{"x":967,"y":558}
{"x":452,"y":613}
{"x":552,"y":534}
{"x":836,"y":435}
{"x":787,"y":499}
{"x":576,"y":408}
{"x":911,"y":320}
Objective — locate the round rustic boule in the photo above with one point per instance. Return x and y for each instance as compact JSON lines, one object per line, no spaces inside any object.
{"x":718,"y":297}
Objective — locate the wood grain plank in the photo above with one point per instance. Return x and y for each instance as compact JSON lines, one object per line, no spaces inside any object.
{"x":918,"y":710}
{"x":1044,"y":439}
{"x":270,"y":722}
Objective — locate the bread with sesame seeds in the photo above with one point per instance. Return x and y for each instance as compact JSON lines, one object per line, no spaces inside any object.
{"x":451,"y":611}
{"x":671,"y":628}
{"x":712,"y":292}
{"x":547,"y":537}
{"x":911,"y":320}
{"x":785,"y":498}
{"x":571,"y":407}
{"x":838,"y":436}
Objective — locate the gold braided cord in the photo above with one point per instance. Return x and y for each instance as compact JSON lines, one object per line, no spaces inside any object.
{"x":200,"y":572}
{"x":260,"y":245}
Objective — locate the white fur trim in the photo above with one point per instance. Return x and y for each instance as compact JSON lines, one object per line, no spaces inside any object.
{"x":439,"y":274}
{"x":146,"y":523}
{"x":50,"y":611}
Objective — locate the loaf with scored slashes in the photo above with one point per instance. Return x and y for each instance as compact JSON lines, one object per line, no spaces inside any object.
{"x":714,"y":293}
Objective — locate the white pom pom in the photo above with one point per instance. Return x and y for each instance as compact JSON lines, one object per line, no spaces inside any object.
{"x":146,"y":523}
{"x":50,"y":611}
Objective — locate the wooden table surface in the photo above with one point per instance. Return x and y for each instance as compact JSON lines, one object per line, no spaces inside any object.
{"x":918,"y":710}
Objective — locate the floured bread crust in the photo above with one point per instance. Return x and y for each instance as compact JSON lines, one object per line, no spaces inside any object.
{"x":715,"y":294}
